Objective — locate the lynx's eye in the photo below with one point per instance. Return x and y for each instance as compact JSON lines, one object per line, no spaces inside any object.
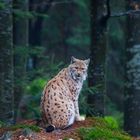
{"x":76,"y":68}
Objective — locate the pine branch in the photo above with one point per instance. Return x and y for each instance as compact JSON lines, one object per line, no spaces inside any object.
{"x":55,"y":3}
{"x":119,"y":14}
{"x":130,"y":12}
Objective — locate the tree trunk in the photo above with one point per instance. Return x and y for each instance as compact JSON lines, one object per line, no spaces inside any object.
{"x":20,"y":39}
{"x":97,"y":63}
{"x":132,"y":92}
{"x":6,"y":63}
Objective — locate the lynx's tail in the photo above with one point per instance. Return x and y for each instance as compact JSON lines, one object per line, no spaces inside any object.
{"x":50,"y":128}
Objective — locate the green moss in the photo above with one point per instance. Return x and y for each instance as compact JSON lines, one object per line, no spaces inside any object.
{"x":112,"y":122}
{"x":103,"y":130}
{"x":107,"y":122}
{"x":66,"y":139}
{"x":98,"y":133}
{"x":22,"y":126}
{"x":2,"y":124}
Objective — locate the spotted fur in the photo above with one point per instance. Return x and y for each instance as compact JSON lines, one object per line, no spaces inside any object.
{"x":59,"y":102}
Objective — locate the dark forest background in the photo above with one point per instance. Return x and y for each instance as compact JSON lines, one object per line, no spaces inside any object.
{"x":38,"y":38}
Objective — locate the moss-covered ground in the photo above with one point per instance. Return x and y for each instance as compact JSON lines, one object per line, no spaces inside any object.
{"x":90,"y":129}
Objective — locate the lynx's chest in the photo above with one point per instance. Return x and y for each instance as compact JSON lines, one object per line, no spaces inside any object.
{"x":74,"y":88}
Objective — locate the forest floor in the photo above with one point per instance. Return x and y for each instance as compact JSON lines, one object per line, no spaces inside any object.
{"x":70,"y":133}
{"x":42,"y":135}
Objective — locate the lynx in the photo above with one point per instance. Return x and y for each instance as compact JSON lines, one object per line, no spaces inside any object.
{"x":59,"y":102}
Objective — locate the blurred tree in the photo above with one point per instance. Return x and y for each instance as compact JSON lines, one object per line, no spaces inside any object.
{"x":132,"y":93}
{"x":115,"y":57}
{"x":99,"y":17}
{"x":67,"y":33}
{"x":6,"y":63}
{"x":58,"y":29}
{"x":79,"y":38}
{"x":20,"y":40}
{"x":39,"y":8}
{"x":60,"y":26}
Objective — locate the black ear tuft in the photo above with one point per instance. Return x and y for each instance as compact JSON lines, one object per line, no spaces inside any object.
{"x":73,"y":59}
{"x":87,"y":61}
{"x":50,"y":128}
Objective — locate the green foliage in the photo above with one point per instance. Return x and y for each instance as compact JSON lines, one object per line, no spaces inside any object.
{"x":2,"y":5}
{"x":84,"y":106}
{"x":29,"y":50}
{"x":112,"y":122}
{"x":20,"y":14}
{"x":66,"y":139}
{"x":2,"y":124}
{"x":36,"y":86}
{"x":103,"y":130}
{"x":82,"y":3}
{"x":36,"y":14}
{"x":34,"y":90}
{"x":98,"y":133}
{"x":53,"y":66}
{"x":23,"y":126}
{"x":112,"y":110}
{"x":20,"y":50}
{"x":79,"y":38}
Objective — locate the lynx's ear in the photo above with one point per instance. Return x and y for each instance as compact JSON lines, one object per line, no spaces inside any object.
{"x":87,"y":61}
{"x":73,"y":59}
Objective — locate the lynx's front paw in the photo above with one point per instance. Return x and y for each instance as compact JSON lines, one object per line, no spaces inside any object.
{"x":80,"y":118}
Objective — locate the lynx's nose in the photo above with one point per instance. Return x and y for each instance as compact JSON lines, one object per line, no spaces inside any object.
{"x":78,"y":75}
